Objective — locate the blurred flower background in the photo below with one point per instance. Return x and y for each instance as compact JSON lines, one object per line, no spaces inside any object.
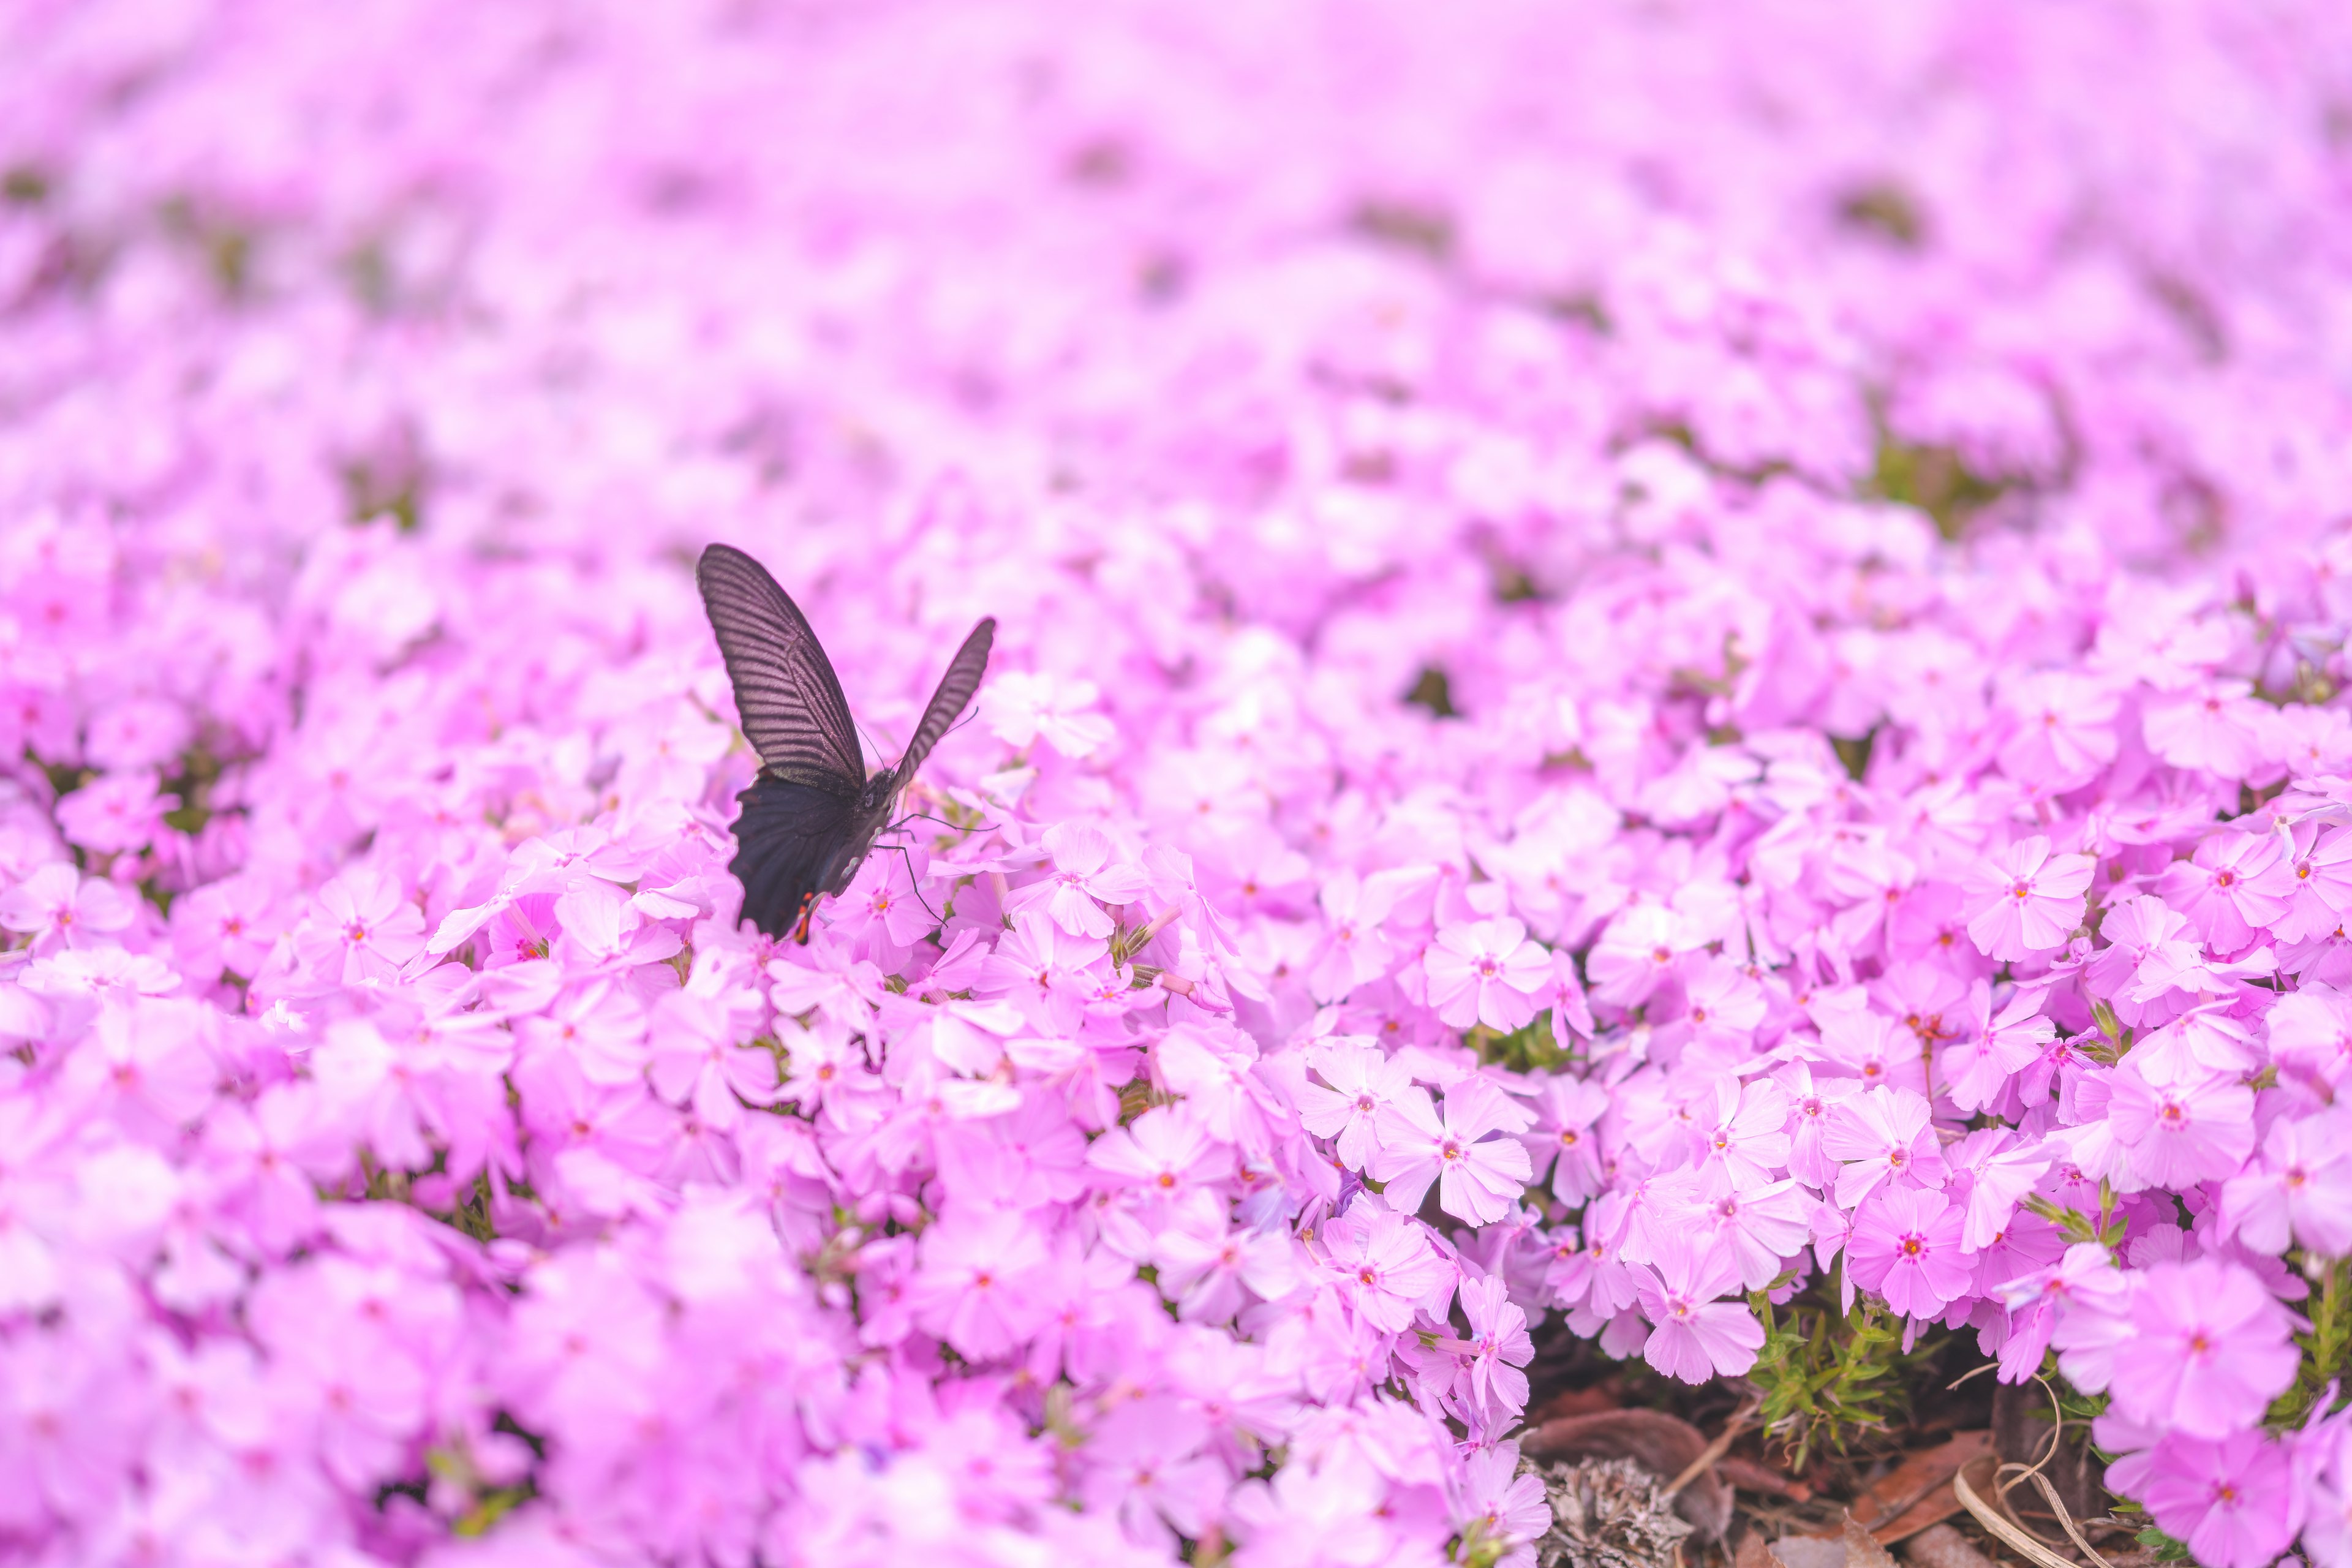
{"x":1667,"y":690}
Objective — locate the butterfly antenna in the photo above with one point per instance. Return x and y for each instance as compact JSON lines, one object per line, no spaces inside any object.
{"x":943,"y":822}
{"x":872,"y":745}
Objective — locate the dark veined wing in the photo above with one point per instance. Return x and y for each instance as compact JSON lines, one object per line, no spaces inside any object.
{"x":954,"y":692}
{"x":790,"y":841}
{"x":793,"y":712}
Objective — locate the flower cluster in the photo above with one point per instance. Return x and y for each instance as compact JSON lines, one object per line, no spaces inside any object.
{"x":1650,"y":660}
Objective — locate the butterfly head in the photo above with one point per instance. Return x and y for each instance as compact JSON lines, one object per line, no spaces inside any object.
{"x":877,"y":792}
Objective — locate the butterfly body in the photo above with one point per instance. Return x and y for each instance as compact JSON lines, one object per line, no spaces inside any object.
{"x":810,"y":818}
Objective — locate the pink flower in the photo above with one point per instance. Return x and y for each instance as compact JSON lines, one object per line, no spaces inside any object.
{"x":1336,"y":1518}
{"x":2210,"y":1349}
{"x":118,"y":812}
{"x":362,"y":930}
{"x":2000,"y":1170}
{"x":1693,"y":1335}
{"x":1872,"y":1046}
{"x":2082,"y":1306}
{"x":974,"y":1288}
{"x":57,"y":906}
{"x":2217,"y":730}
{"x":1906,"y":1247}
{"x":2327,"y":1537}
{"x":2225,"y":889}
{"x":1355,"y":951}
{"x":2311,"y":880}
{"x":1362,"y":1084}
{"x":1487,"y":972}
{"x":1761,"y":1226}
{"x":2178,"y":1132}
{"x":230,"y":924}
{"x":2064,"y":730}
{"x":1050,"y":974}
{"x":1882,"y":1134}
{"x":1498,"y":1347}
{"x":1023,"y":708}
{"x":1505,"y":1507}
{"x":1164,"y":1152}
{"x":1981,"y":1063}
{"x":1211,"y":1274}
{"x":697,"y":1060}
{"x":1478,"y":1177}
{"x":1143,"y":1466}
{"x":1636,"y":954}
{"x":1810,"y":1116}
{"x":2236,"y":1502}
{"x":1725,"y":1006}
{"x":145,"y":1066}
{"x":1566,"y":1109}
{"x":2311,"y":1034}
{"x":2300,"y":1189}
{"x":2024,"y":900}
{"x":1747,"y":1139}
{"x":1384,"y":1265}
{"x":885,"y":908}
{"x":137,"y":733}
{"x":1082,"y":879}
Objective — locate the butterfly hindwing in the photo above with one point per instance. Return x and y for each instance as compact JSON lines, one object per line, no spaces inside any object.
{"x":792,"y":841}
{"x":793,"y":710}
{"x":955,"y":693}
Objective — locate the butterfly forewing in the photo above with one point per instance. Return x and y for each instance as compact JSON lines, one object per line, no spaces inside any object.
{"x":954,"y":692}
{"x":793,"y":710}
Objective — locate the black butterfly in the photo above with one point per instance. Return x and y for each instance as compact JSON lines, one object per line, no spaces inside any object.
{"x":812,"y":814}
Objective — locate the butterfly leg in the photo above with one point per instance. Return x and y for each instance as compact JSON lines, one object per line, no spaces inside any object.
{"x":913,"y":882}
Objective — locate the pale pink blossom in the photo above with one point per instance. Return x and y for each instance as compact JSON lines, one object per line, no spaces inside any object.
{"x":2024,"y":899}
{"x":1487,"y":972}
{"x":1083,"y":877}
{"x":1693,"y":1335}
{"x":1479,"y":1175}
{"x":1384,"y":1265}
